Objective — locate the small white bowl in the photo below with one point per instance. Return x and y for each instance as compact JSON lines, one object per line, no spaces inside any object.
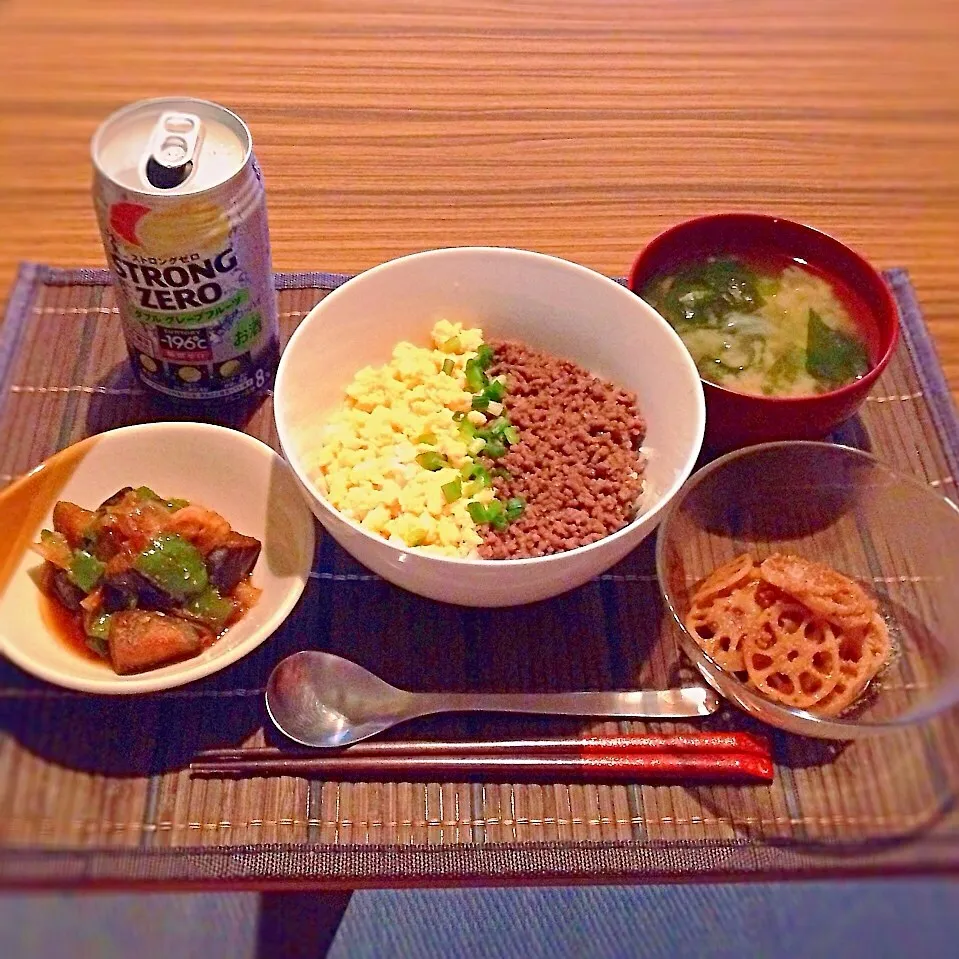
{"x":550,"y":304}
{"x":232,"y":473}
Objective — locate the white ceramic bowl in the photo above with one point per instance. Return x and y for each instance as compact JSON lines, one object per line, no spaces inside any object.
{"x":548,"y":303}
{"x":238,"y":476}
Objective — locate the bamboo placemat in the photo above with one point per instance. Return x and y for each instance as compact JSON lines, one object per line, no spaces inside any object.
{"x":94,"y":790}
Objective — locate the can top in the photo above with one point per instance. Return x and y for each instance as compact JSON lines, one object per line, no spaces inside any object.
{"x":171,"y":146}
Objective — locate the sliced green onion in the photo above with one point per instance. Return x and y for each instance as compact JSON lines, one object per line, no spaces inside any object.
{"x":478,"y":472}
{"x":494,"y":448}
{"x":495,"y":427}
{"x":453,"y":490}
{"x":484,"y":356}
{"x":511,"y":435}
{"x":496,"y":515}
{"x":515,"y":507}
{"x":501,"y":472}
{"x":467,"y":430}
{"x":432,"y":461}
{"x":428,"y":438}
{"x":477,"y":512}
{"x":448,"y":367}
{"x":452,"y":345}
{"x":480,"y":403}
{"x":476,"y":379}
{"x":472,"y":488}
{"x":496,"y":390}
{"x":459,"y":417}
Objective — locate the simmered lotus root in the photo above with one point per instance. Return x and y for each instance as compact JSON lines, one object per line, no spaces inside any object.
{"x":726,"y":578}
{"x":720,"y":624}
{"x":822,"y":589}
{"x":861,"y":655}
{"x":814,"y":645}
{"x":793,"y":657}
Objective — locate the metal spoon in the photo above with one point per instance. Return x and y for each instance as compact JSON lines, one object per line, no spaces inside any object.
{"x":319,"y":699}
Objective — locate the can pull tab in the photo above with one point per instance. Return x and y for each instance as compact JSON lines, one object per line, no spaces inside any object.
{"x":173,"y":148}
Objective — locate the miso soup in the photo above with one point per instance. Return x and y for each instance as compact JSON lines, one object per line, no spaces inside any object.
{"x":774,"y":330}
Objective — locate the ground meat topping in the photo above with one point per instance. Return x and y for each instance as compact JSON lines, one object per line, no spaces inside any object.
{"x":577,"y":463}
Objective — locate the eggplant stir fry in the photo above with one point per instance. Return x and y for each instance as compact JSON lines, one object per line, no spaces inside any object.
{"x":150,"y":580}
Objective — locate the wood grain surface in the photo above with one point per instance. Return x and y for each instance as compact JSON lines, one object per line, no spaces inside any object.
{"x":576,"y":128}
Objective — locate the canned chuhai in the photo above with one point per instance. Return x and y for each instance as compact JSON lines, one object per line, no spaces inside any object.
{"x":180,"y":203}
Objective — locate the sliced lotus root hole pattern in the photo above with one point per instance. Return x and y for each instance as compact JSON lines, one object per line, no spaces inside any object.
{"x":798,"y":632}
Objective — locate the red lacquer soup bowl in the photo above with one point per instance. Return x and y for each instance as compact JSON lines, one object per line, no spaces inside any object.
{"x":735,"y":419}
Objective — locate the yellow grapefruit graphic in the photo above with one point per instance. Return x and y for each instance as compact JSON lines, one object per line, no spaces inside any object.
{"x":195,"y":225}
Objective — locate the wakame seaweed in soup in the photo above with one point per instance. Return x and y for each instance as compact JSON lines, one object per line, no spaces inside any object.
{"x":773,"y":332}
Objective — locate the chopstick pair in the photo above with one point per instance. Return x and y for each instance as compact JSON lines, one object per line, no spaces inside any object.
{"x":684,"y":757}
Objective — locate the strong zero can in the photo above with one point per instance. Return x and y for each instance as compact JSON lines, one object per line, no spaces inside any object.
{"x":180,"y":202}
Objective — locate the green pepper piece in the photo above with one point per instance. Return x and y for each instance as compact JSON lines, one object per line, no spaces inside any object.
{"x":85,"y":570}
{"x":145,"y":493}
{"x":173,"y":565}
{"x":98,"y":627}
{"x":210,"y":608}
{"x":99,"y":646}
{"x":832,"y":356}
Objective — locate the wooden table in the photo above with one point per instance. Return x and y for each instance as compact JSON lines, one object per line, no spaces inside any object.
{"x":575,"y":128}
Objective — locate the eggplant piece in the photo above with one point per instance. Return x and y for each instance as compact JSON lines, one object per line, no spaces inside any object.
{"x":115,"y":498}
{"x":67,"y":593}
{"x":232,"y":562}
{"x":129,"y":590}
{"x":142,"y":639}
{"x":72,"y":521}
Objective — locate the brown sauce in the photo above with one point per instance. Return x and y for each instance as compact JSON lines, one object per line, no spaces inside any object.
{"x":66,"y":626}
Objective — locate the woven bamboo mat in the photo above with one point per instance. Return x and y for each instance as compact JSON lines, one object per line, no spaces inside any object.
{"x":94,"y":790}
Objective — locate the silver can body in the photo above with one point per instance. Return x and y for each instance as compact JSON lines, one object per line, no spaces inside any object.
{"x":182,"y":211}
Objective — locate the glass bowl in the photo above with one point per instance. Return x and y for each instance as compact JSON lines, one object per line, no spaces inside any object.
{"x":843,"y":507}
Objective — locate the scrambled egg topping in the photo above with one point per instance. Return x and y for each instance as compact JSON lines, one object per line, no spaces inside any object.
{"x":366,"y":459}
